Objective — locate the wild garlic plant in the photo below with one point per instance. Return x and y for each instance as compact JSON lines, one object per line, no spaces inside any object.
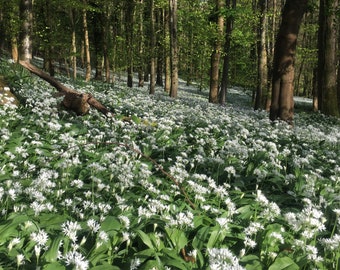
{"x":85,"y":192}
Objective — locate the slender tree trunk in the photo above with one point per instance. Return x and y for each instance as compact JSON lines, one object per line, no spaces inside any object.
{"x":216,"y":55}
{"x":225,"y":73}
{"x":262,"y":84}
{"x":173,"y":48}
{"x":141,"y":45}
{"x":282,"y":104}
{"x":272,"y":5}
{"x":25,"y":36}
{"x":327,"y":57}
{"x":86,"y":46}
{"x":160,"y":47}
{"x":129,"y":19}
{"x":166,"y":26}
{"x":152,"y":48}
{"x":73,"y":45}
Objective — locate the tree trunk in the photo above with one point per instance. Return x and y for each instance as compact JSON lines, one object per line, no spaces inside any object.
{"x":262,"y":83}
{"x":216,"y":55}
{"x":272,"y":6}
{"x":152,"y":48}
{"x":86,"y":46}
{"x":141,"y":45}
{"x":327,"y":58}
{"x":166,"y":26}
{"x":173,"y":48}
{"x":225,"y":73}
{"x":25,"y":38}
{"x":73,"y":45}
{"x":282,"y":103}
{"x":129,"y":18}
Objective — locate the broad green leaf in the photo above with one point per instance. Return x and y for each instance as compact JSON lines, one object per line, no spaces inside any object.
{"x":284,"y":263}
{"x":145,"y":238}
{"x":111,"y":223}
{"x":177,"y":264}
{"x":52,"y":252}
{"x":105,"y":267}
{"x":213,"y":238}
{"x":54,"y":266}
{"x":201,"y":238}
{"x":177,"y":237}
{"x":251,"y":262}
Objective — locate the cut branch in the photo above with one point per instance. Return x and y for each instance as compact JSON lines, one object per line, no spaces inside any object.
{"x":68,"y":92}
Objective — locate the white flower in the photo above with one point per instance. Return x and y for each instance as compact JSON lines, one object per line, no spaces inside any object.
{"x":125,"y":221}
{"x":223,"y":222}
{"x":248,"y":242}
{"x":70,"y":229}
{"x":20,"y":259}
{"x":93,"y":225}
{"x":223,"y":259}
{"x":277,"y":236}
{"x":40,"y":237}
{"x":13,"y":242}
{"x":135,"y":263}
{"x":77,"y":260}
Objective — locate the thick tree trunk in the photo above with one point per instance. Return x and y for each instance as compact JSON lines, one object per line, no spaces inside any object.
{"x":282,"y":103}
{"x":327,"y":58}
{"x":173,"y":48}
{"x":25,"y":38}
{"x":141,"y":45}
{"x":68,"y":92}
{"x":216,"y":55}
{"x":225,"y":73}
{"x":129,"y":18}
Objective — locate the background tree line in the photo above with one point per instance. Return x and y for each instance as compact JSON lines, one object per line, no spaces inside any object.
{"x":216,"y":43}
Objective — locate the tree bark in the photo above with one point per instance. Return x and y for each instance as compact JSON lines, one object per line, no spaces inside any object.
{"x":216,"y":55}
{"x":129,"y":19}
{"x":25,"y":37}
{"x":327,"y":58}
{"x":62,"y":88}
{"x":231,"y":4}
{"x":262,"y":83}
{"x":282,"y":103}
{"x":73,"y":44}
{"x":86,"y":46}
{"x":152,"y":49}
{"x":167,"y":79}
{"x":173,"y":48}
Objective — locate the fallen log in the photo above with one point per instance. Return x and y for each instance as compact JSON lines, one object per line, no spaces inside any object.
{"x":73,"y":100}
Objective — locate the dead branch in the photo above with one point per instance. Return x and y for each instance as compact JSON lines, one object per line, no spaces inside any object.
{"x":72,"y":98}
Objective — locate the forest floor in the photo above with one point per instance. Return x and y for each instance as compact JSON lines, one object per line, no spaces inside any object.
{"x":184,"y":185}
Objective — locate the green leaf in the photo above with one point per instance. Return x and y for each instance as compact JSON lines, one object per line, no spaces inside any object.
{"x":135,"y":119}
{"x":52,"y":252}
{"x":201,"y":238}
{"x":105,"y":267}
{"x":54,"y":266}
{"x":284,"y":263}
{"x":251,"y":262}
{"x":111,"y":223}
{"x":177,"y":237}
{"x":213,"y":238}
{"x":145,"y":238}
